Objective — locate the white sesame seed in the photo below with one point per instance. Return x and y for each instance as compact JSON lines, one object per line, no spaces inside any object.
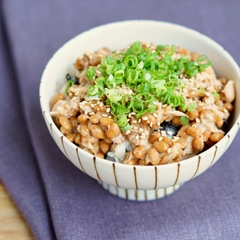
{"x":151,"y":124}
{"x":142,"y":136}
{"x":127,"y":132}
{"x":144,"y":118}
{"x":108,"y":110}
{"x":91,"y":113}
{"x":169,"y":150}
{"x":155,"y":115}
{"x":139,"y":120}
{"x":160,"y":139}
{"x":137,"y":137}
{"x":163,"y":133}
{"x":169,"y":132}
{"x":175,"y":138}
{"x":140,"y":129}
{"x":104,"y":115}
{"x":134,"y":121}
{"x":197,"y":120}
{"x":207,"y":93}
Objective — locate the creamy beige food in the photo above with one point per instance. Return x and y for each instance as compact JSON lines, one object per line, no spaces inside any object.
{"x":143,"y":105}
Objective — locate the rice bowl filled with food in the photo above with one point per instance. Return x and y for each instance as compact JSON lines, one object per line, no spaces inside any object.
{"x":144,"y":105}
{"x":141,"y":106}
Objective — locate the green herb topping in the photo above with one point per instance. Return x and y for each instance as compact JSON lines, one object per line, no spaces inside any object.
{"x":132,"y":81}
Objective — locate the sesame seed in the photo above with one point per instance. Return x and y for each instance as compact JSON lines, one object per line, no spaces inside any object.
{"x":139,"y":120}
{"x":163,"y":133}
{"x":142,"y":136}
{"x":104,"y":115}
{"x":137,"y":137}
{"x":134,"y":121}
{"x":207,"y":93}
{"x":197,"y":120}
{"x":175,"y":138}
{"x":91,"y":113}
{"x":140,"y":129}
{"x":169,"y":132}
{"x":127,"y":132}
{"x":155,"y":115}
{"x":108,"y":110}
{"x":144,"y":118}
{"x":160,"y":139}
{"x":169,"y":150}
{"x":151,"y":124}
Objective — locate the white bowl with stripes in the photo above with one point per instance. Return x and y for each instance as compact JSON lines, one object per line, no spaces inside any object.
{"x":137,"y":182}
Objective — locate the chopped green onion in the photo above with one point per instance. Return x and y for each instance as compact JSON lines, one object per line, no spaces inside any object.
{"x":202,"y":90}
{"x":192,"y":107}
{"x":184,"y":120}
{"x":70,"y":82}
{"x":113,"y":95}
{"x":134,"y":80}
{"x":131,"y":61}
{"x":173,"y":100}
{"x":90,"y":73}
{"x":92,"y":90}
{"x":215,"y":94}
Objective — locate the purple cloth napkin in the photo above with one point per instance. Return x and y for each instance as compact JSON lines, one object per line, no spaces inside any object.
{"x":57,"y":199}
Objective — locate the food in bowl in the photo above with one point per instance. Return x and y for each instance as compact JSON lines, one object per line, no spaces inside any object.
{"x":144,"y":105}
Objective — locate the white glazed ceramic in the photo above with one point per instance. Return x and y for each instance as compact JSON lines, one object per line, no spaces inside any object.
{"x":137,"y":182}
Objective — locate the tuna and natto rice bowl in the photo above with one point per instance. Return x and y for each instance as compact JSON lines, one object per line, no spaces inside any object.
{"x":144,"y":105}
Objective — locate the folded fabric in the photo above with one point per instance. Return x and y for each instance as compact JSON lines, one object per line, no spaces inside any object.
{"x":57,"y":199}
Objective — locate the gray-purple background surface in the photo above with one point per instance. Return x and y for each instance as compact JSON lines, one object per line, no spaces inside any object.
{"x":58,"y":200}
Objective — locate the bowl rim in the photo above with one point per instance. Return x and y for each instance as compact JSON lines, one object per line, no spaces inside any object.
{"x":48,"y":118}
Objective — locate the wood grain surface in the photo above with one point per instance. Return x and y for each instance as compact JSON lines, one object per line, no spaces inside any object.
{"x":12,"y":224}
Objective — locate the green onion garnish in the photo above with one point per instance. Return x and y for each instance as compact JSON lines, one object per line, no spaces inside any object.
{"x":132,"y":81}
{"x":90,"y":73}
{"x":184,"y":120}
{"x":215,"y":94}
{"x":192,"y":107}
{"x":70,"y":82}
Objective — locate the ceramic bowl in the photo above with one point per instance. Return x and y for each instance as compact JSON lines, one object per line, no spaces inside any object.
{"x":138,"y":182}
